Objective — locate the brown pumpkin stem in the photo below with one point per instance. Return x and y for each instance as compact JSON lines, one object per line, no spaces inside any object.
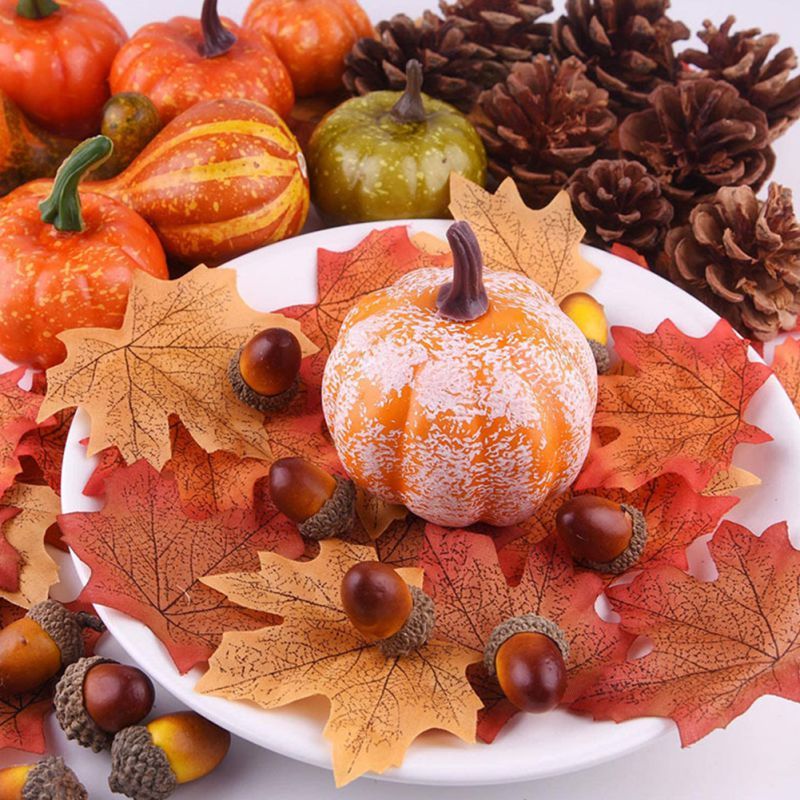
{"x":217,"y":39}
{"x":36,"y":9}
{"x":410,"y":108}
{"x":465,"y":298}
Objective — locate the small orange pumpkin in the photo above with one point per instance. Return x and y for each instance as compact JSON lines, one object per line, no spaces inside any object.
{"x":465,"y":401}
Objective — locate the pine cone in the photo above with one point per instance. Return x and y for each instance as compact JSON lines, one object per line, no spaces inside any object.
{"x":627,"y":46}
{"x":508,"y":27}
{"x":741,"y":59}
{"x":454,"y":69}
{"x":698,"y":136}
{"x":542,"y":123}
{"x":741,"y":257}
{"x":619,"y":201}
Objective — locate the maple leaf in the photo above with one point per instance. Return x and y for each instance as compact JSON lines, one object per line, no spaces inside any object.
{"x":45,"y":445}
{"x":465,"y":577}
{"x":681,"y":412}
{"x":728,"y":481}
{"x":171,"y":356}
{"x":18,"y":412}
{"x":786,"y":365}
{"x":33,"y":511}
{"x":378,"y":705}
{"x":10,"y":560}
{"x":376,"y":515}
{"x":717,"y":645}
{"x":147,"y":557}
{"x":544,"y":244}
{"x":109,"y":460}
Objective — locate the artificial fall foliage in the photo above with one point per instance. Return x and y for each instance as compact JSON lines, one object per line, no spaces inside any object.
{"x":378,"y":705}
{"x":544,"y":245}
{"x":681,"y":411}
{"x":170,"y":357}
{"x":148,"y":556}
{"x":786,"y":365}
{"x":376,"y":515}
{"x":18,"y":412}
{"x":730,"y":480}
{"x":716,"y":646}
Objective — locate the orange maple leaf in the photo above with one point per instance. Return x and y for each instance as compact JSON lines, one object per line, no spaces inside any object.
{"x":717,"y":646}
{"x":18,"y":411}
{"x":786,"y":365}
{"x":682,"y":411}
{"x":379,"y":705}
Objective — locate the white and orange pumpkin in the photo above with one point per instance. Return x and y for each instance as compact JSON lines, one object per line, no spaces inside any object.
{"x":466,"y":401}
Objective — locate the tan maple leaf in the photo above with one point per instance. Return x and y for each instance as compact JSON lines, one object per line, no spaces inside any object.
{"x":786,"y":365}
{"x":378,"y":705}
{"x":25,"y":531}
{"x":543,"y":244}
{"x":728,"y":481}
{"x":170,"y":357}
{"x":377,"y":515}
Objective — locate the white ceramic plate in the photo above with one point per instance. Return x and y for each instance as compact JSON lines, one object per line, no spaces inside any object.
{"x":531,"y":746}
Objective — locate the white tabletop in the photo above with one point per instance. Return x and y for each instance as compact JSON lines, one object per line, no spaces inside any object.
{"x":755,"y":758}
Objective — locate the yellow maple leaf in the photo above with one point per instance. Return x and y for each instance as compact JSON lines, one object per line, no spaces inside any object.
{"x":170,"y":357}
{"x":378,"y":705}
{"x":543,"y":244}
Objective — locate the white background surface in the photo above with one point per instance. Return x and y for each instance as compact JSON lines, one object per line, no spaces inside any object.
{"x":757,"y":757}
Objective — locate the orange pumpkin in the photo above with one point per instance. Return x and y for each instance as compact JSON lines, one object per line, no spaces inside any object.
{"x":223,"y":178}
{"x":464,"y":401}
{"x":312,"y":37}
{"x":185,"y":61}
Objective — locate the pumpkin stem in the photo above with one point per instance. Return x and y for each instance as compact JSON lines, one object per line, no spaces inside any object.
{"x":36,"y":9}
{"x":465,"y":298}
{"x":217,"y":39}
{"x":62,"y":208}
{"x":410,"y":108}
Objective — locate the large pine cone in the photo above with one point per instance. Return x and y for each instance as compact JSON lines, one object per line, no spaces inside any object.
{"x":627,"y":46}
{"x":454,"y":69}
{"x":741,"y":59}
{"x":741,"y":257}
{"x":698,"y":136}
{"x":619,"y":201}
{"x":508,"y":27}
{"x":542,"y":123}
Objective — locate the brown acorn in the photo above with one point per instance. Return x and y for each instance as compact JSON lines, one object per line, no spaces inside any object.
{"x":48,"y":779}
{"x":38,"y":646}
{"x":97,"y":697}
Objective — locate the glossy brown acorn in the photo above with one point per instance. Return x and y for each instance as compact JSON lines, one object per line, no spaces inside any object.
{"x":299,"y":488}
{"x":270,"y":361}
{"x":376,"y":599}
{"x":117,"y":695}
{"x":594,"y":528}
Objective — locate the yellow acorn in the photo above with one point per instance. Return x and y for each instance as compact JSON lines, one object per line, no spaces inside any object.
{"x":50,"y":778}
{"x":590,"y":317}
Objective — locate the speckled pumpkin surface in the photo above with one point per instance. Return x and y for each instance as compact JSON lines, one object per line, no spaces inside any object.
{"x":461,"y":421}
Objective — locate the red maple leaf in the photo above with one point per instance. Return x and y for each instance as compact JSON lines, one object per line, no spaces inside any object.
{"x":45,"y":446}
{"x":147,"y":557}
{"x":18,"y":411}
{"x":472,"y":595}
{"x":9,"y":558}
{"x":682,"y":411}
{"x":786,"y":365}
{"x":109,"y":461}
{"x":717,"y":645}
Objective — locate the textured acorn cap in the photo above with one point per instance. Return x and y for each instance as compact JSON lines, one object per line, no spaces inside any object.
{"x":265,"y":403}
{"x":336,"y":516}
{"x":139,"y":769}
{"x":71,"y":711}
{"x":417,"y":628}
{"x":602,"y":358}
{"x":526,"y":623}
{"x":64,"y":628}
{"x":52,"y":779}
{"x":631,"y":554}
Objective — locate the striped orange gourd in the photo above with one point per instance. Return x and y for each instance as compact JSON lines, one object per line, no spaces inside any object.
{"x":221,"y":179}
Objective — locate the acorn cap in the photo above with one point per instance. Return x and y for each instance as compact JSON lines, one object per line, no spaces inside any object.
{"x":602,"y":358}
{"x":64,"y":628}
{"x":52,"y":779}
{"x":631,"y":554}
{"x":336,"y":516}
{"x":417,"y":628}
{"x":71,"y":711}
{"x":139,"y":769}
{"x":265,"y":403}
{"x":526,"y":623}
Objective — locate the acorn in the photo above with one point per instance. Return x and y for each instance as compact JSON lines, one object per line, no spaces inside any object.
{"x":150,"y":762}
{"x":264,"y":373}
{"x":322,"y":505}
{"x":97,"y":697}
{"x":590,"y":317}
{"x":48,"y":779}
{"x":528,"y":655}
{"x":38,"y":646}
{"x":385,"y":609}
{"x":600,"y":534}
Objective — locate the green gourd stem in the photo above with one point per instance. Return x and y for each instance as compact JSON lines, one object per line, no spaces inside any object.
{"x":36,"y":9}
{"x":465,"y":298}
{"x":410,"y":108}
{"x":62,"y":208}
{"x":217,"y":39}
